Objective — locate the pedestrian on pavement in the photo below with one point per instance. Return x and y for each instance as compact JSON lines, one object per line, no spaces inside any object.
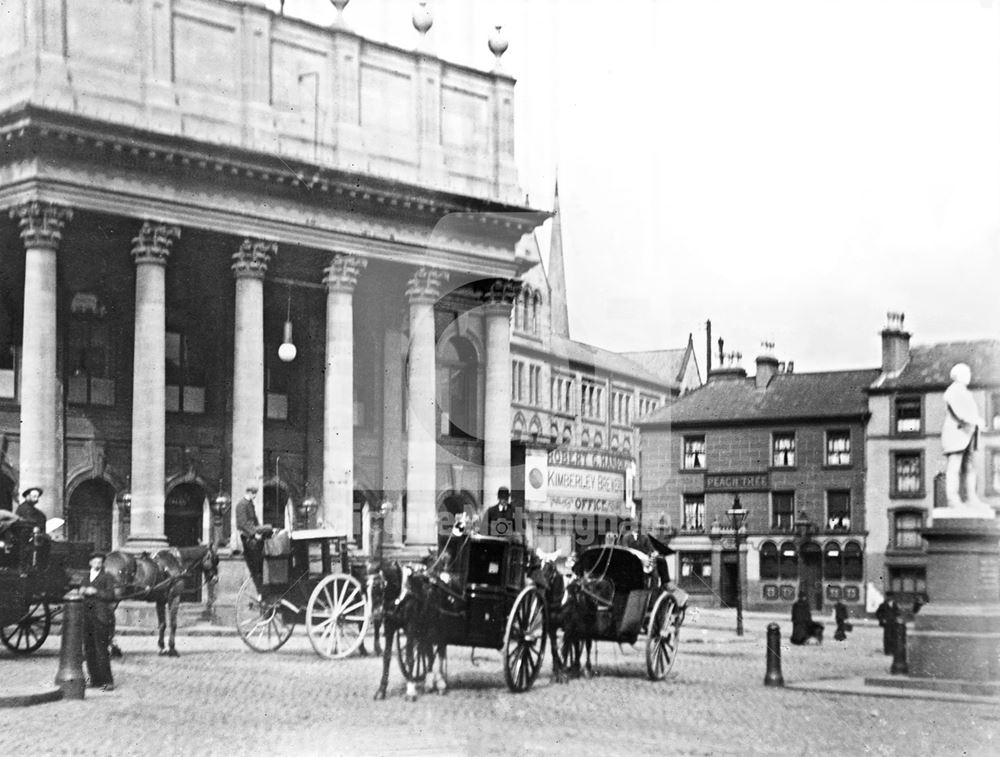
{"x":887,"y":616}
{"x":502,"y":519}
{"x":28,"y":509}
{"x":252,"y":534}
{"x":840,"y":615}
{"x":98,"y":590}
{"x":803,"y":626}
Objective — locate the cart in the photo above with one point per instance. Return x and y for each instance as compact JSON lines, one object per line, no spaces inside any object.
{"x":35,"y":574}
{"x":620,"y":597}
{"x":306,"y":580}
{"x":483,"y":600}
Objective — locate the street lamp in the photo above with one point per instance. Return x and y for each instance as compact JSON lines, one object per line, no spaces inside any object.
{"x":220,"y":508}
{"x":738,"y":515}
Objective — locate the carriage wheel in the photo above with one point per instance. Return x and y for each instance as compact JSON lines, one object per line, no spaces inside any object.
{"x":337,"y":616}
{"x":663,"y":638}
{"x":412,"y":663}
{"x":261,"y":624}
{"x":29,"y":632}
{"x":524,"y":641}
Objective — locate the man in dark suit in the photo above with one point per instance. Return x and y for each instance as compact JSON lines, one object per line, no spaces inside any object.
{"x":98,"y":591}
{"x":501,"y":519}
{"x":28,"y":510}
{"x":252,"y":534}
{"x":803,"y":626}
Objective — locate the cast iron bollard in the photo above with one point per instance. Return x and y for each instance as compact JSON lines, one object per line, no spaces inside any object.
{"x":773,"y":676}
{"x":70,"y":677}
{"x":899,"y":664}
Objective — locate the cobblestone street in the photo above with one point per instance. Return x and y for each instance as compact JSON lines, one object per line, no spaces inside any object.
{"x":221,"y":698}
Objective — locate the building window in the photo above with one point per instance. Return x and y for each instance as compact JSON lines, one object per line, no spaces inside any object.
{"x":833,"y":563}
{"x":694,"y":453}
{"x":769,"y":560}
{"x":783,"y":450}
{"x":185,"y":375}
{"x":598,"y":440}
{"x":838,"y":447}
{"x":585,"y":438}
{"x":89,"y":362}
{"x":696,"y":572}
{"x":908,"y":415}
{"x":907,"y":474}
{"x":694,"y":512}
{"x":788,"y":562}
{"x":906,"y":528}
{"x":838,"y":510}
{"x":567,"y":435}
{"x":910,"y":581}
{"x":782,"y":511}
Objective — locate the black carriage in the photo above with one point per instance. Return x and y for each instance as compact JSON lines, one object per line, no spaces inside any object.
{"x":35,"y":575}
{"x":484,"y":600}
{"x":307,"y":579}
{"x":621,"y":597}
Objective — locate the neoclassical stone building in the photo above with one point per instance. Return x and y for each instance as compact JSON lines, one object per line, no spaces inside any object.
{"x":186,"y":186}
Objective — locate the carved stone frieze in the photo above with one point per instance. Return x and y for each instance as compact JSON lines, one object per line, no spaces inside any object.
{"x":41,"y":223}
{"x":252,"y":258}
{"x":154,"y":242}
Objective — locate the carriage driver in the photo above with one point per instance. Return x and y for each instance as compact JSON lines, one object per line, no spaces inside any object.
{"x":252,"y":534}
{"x":502,"y":519}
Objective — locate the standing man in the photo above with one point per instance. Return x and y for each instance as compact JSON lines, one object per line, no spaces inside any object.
{"x":501,"y":519}
{"x":252,"y":534}
{"x":98,"y":591}
{"x":959,"y":436}
{"x":28,"y":509}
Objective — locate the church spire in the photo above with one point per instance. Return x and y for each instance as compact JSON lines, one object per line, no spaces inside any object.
{"x":557,"y":273}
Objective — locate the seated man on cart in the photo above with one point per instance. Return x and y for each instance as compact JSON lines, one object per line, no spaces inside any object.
{"x":632,"y":536}
{"x":252,"y":534}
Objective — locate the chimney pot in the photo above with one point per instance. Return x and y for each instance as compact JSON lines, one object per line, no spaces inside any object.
{"x":895,"y":343}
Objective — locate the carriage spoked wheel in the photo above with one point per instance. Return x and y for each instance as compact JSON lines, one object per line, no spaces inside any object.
{"x":524,"y":640}
{"x":261,"y":623}
{"x":412,"y":663}
{"x":663,"y":637}
{"x":337,"y":616}
{"x":29,"y":632}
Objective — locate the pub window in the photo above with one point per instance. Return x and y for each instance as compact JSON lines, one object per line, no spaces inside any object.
{"x":91,"y":381}
{"x":838,"y":510}
{"x":906,"y":526}
{"x":185,"y":375}
{"x":854,"y":568}
{"x":833,"y":562}
{"x":694,"y":453}
{"x":783,"y":450}
{"x":908,"y":415}
{"x":696,"y":572}
{"x":907,"y":474}
{"x":782,"y":511}
{"x":694,"y":513}
{"x":788,"y":561}
{"x":769,"y":561}
{"x":838,"y":447}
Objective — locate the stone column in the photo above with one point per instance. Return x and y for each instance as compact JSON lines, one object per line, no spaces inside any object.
{"x":150,"y":251}
{"x":338,"y":392}
{"x":499,"y":299}
{"x":423,"y":290}
{"x":41,"y":229}
{"x":249,"y":267}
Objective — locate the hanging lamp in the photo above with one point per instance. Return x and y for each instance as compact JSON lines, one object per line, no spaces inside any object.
{"x":287,"y":351}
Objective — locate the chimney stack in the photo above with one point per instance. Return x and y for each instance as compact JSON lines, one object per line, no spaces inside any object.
{"x":767,"y":365}
{"x":895,"y":344}
{"x":729,"y":367}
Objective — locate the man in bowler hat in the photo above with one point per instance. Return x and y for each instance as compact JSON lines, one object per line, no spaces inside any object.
{"x":28,"y":509}
{"x":501,"y":519}
{"x":98,"y":590}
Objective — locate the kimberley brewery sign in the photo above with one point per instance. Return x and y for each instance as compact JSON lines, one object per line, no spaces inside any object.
{"x":587,"y":482}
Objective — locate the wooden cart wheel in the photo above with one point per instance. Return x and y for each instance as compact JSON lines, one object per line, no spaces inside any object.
{"x":412,"y":664}
{"x":29,"y":632}
{"x":337,"y":616}
{"x":261,"y":623}
{"x":524,"y":640}
{"x":663,"y":637}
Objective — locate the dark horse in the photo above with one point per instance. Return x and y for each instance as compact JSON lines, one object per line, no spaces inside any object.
{"x":161,"y":578}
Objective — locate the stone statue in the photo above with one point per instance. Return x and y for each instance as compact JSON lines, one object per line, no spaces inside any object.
{"x":959,"y":437}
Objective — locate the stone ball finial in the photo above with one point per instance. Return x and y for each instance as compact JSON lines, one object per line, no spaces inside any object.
{"x":498,"y":42}
{"x":339,"y":5}
{"x":423,"y":17}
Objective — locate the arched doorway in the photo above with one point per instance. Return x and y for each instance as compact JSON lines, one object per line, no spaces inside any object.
{"x":90,"y":509}
{"x":182,"y":524}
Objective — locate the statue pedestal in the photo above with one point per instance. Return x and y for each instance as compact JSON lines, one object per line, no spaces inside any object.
{"x":956,"y":635}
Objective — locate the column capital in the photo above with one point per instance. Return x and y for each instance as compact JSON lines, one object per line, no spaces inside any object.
{"x":343,"y":272}
{"x":425,"y":285}
{"x":42,"y":223}
{"x":154,"y":242}
{"x":252,"y":258}
{"x":501,"y":293}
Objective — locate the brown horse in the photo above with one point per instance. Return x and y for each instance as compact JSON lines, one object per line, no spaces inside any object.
{"x":161,"y":578}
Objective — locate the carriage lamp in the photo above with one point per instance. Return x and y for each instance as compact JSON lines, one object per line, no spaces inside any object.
{"x":307,"y":509}
{"x":221,"y":505}
{"x":738,"y":514}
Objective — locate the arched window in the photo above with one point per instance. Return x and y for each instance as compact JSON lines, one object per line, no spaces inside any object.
{"x":458,"y":369}
{"x":535,"y":308}
{"x":585,"y":438}
{"x":615,"y":443}
{"x":627,"y":444}
{"x":833,"y":569}
{"x":517,"y":313}
{"x":854,"y":569}
{"x":768,"y":560}
{"x":567,"y":435}
{"x":554,"y":431}
{"x":789,"y":561}
{"x":525,"y":297}
{"x":598,"y":440}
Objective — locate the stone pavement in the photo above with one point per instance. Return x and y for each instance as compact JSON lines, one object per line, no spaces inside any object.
{"x":220,"y":698}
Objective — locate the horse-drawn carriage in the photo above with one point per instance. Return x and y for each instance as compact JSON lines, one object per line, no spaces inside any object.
{"x":35,"y":574}
{"x":620,"y":596}
{"x":307,"y":579}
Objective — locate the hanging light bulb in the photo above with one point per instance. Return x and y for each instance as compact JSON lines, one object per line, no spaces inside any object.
{"x":287,"y":351}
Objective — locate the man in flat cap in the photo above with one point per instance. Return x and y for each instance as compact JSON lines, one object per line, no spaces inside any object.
{"x":252,"y":534}
{"x":98,"y":590}
{"x":28,"y":509}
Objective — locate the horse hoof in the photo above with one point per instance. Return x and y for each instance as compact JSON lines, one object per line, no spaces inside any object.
{"x":172,"y":653}
{"x":116,"y":653}
{"x":163,"y":652}
{"x":380,"y":695}
{"x":411,"y":697}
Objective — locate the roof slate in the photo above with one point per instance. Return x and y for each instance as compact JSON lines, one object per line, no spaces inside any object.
{"x":929,"y":365}
{"x":605,"y":360}
{"x":661,"y":362}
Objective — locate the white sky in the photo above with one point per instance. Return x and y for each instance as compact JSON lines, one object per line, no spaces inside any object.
{"x":791,"y":169}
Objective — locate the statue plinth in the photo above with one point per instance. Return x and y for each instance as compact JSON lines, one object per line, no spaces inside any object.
{"x":956,"y":635}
